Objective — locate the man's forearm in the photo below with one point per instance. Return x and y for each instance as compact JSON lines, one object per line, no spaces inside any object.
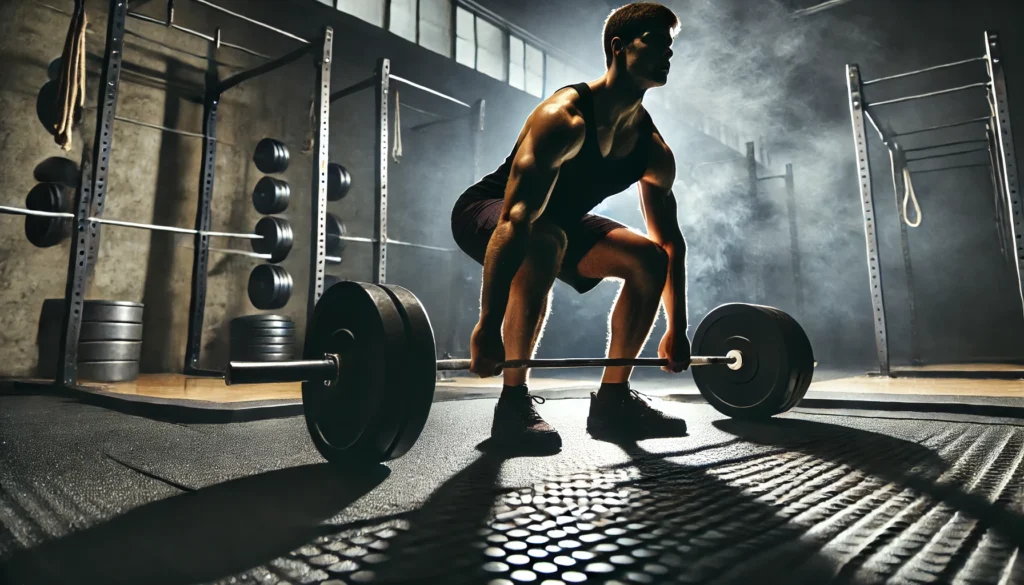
{"x":505,"y":254}
{"x":674,"y":295}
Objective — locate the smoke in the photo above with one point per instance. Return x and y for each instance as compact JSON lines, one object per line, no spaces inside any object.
{"x":765,"y":74}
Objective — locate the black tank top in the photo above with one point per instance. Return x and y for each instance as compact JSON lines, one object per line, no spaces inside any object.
{"x":584,"y":181}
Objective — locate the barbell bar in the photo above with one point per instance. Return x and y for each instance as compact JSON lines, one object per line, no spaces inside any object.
{"x":327,"y":369}
{"x":369,"y":368}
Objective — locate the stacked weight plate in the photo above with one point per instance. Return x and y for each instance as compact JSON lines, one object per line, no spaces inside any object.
{"x":263,"y":338}
{"x":109,"y":344}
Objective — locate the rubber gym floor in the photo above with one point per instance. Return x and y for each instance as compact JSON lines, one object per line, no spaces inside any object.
{"x":819,"y":495}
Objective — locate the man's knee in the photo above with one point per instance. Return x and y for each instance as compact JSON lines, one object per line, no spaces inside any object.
{"x":650,"y":269}
{"x":547,"y":244}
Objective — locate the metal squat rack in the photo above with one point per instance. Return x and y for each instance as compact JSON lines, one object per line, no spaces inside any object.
{"x":380,"y":82}
{"x":89,"y":198}
{"x":1005,"y":180}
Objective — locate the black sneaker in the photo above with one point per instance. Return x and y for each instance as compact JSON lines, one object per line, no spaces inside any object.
{"x":518,"y":426}
{"x":625,"y":415}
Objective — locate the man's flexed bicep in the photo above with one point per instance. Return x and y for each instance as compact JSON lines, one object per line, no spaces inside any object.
{"x":555,"y":132}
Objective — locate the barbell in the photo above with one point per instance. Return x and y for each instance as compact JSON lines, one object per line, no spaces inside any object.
{"x":47,"y":223}
{"x":370,"y":366}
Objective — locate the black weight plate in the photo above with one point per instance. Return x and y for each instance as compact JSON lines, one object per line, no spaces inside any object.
{"x":45,"y":232}
{"x":99,"y":331}
{"x":261,"y":320}
{"x":276,"y":238}
{"x":102,"y":351}
{"x":270,"y":287}
{"x":270,"y":156}
{"x":802,"y":356}
{"x":109,"y":371}
{"x":765,"y":383}
{"x":53,"y":70}
{"x":338,"y":182}
{"x":46,"y":105}
{"x":265,"y":333}
{"x":58,"y":169}
{"x":100,"y":310}
{"x":420,"y":370}
{"x":271,"y":195}
{"x":250,"y":341}
{"x":335,"y":230}
{"x":252,"y":349}
{"x":264,"y":357}
{"x":349,"y":421}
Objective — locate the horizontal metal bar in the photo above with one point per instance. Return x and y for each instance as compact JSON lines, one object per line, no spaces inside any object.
{"x":944,"y":126}
{"x":947,"y":154}
{"x":364,"y":84}
{"x":22,"y":211}
{"x":944,"y":145}
{"x":129,"y":224}
{"x":159,"y":127}
{"x":424,"y":112}
{"x":251,"y":21}
{"x":817,"y":8}
{"x":428,"y":90}
{"x":391,"y":241}
{"x":924,"y":95}
{"x":771,"y":177}
{"x":333,"y":259}
{"x":919,"y":71}
{"x":917,"y":172}
{"x":264,"y":68}
{"x":196,"y":33}
{"x":437,"y":122}
{"x":238,"y":252}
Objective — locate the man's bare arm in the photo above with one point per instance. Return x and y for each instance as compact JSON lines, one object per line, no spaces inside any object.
{"x":659,"y":208}
{"x":556,"y":133}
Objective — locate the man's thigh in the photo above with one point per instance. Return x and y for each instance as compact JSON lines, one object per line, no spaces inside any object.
{"x":620,"y":253}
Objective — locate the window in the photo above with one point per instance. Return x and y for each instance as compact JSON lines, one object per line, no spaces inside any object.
{"x":516,"y":62}
{"x":436,"y":26}
{"x":465,"y":37}
{"x":371,"y":11}
{"x":490,"y":49}
{"x":534,"y":71}
{"x":402,"y":20}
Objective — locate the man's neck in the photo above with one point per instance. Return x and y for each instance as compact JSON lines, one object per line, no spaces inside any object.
{"x":616,"y":98}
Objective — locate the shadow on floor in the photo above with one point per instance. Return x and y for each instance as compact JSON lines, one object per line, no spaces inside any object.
{"x":200,"y":536}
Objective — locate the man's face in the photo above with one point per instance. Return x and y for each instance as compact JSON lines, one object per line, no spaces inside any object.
{"x":647,"y":58}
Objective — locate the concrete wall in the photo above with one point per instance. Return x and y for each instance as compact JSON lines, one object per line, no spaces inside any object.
{"x":154,"y":176}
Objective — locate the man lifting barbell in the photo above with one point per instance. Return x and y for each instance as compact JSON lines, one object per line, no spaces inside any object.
{"x":529,"y":222}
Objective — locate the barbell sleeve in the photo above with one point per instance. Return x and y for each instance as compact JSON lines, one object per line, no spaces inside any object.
{"x":295,"y":371}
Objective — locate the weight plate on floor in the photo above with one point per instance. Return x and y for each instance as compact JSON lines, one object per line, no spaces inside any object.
{"x":109,"y":371}
{"x":769,"y":377}
{"x":102,"y":351}
{"x":419,"y":369}
{"x":269,"y":348}
{"x":288,"y":335}
{"x":99,"y":331}
{"x":270,"y":287}
{"x":259,"y":320}
{"x":335,"y":231}
{"x":271,"y":196}
{"x":338,"y":182}
{"x":271,"y":156}
{"x":350,"y":421}
{"x":797,"y":341}
{"x":99,"y":310}
{"x":248,"y":340}
{"x":276,"y":238}
{"x":44,"y":232}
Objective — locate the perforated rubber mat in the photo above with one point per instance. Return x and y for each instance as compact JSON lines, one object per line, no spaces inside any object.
{"x":814,"y":497}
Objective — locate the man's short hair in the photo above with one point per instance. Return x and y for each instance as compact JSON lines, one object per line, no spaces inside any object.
{"x":632,"y":20}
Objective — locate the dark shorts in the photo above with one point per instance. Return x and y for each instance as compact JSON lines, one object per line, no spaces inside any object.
{"x":474,"y":222}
